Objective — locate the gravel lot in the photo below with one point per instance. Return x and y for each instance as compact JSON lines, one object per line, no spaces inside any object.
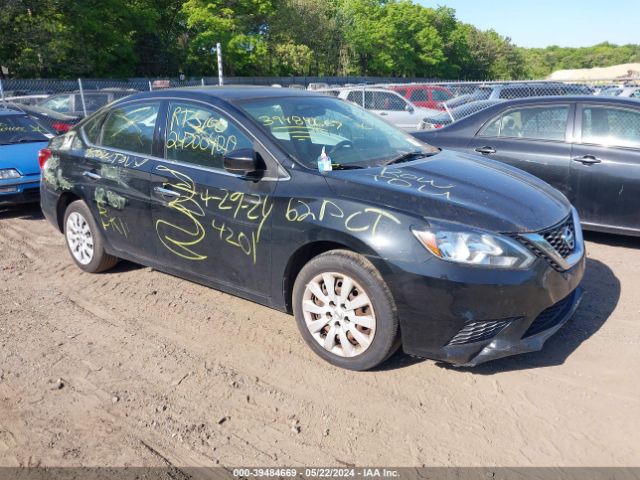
{"x":135,"y":367}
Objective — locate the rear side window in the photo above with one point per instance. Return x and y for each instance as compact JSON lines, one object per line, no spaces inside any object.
{"x":131,"y":128}
{"x":92,"y":128}
{"x":419,"y":96}
{"x":541,"y":123}
{"x":611,"y":126}
{"x":201,"y":136}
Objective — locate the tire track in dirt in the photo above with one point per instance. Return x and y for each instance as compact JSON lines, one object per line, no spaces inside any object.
{"x":155,"y":341}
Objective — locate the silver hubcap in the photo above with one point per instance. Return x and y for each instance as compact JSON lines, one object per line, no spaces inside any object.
{"x":339,"y":314}
{"x":79,"y":238}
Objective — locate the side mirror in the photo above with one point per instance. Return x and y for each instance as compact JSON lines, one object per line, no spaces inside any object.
{"x":243,"y":161}
{"x":408,"y":108}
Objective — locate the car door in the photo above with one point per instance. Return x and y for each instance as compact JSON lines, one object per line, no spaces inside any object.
{"x":116,"y":175}
{"x":533,"y":138}
{"x":605,"y":165}
{"x":209,"y":223}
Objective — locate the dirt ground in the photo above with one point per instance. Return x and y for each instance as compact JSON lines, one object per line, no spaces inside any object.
{"x":135,"y":367}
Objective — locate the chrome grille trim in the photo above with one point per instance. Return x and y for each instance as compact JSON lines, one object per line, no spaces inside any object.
{"x":542,"y":244}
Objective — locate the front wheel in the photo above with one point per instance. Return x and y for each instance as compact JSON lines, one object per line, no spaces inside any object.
{"x":345,"y":311}
{"x":84,"y":240}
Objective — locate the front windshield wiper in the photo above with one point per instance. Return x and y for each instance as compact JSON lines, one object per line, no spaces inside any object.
{"x":408,"y":156}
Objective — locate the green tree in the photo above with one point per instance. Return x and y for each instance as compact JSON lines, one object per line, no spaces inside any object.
{"x":241,"y":27}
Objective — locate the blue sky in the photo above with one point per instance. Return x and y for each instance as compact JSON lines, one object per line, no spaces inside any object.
{"x":567,"y":23}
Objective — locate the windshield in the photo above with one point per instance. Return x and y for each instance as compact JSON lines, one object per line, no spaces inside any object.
{"x":350,"y":136}
{"x":21,"y":129}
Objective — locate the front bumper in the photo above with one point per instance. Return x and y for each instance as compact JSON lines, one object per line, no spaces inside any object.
{"x":467,"y":316}
{"x":515,"y":338}
{"x":21,"y":190}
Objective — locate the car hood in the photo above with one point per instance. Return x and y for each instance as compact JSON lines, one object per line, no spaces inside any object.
{"x":457,"y":187}
{"x":21,"y":156}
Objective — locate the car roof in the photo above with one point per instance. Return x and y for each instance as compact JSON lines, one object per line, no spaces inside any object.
{"x":365,"y":87}
{"x":571,"y":98}
{"x":226,"y":93}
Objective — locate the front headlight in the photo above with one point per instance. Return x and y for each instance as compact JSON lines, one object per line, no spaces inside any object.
{"x":475,"y":248}
{"x":7,"y":173}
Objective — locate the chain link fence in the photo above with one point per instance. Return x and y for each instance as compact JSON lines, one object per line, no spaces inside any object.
{"x":408,"y":103}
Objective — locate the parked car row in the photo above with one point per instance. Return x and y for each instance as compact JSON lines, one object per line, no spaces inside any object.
{"x":419,"y":106}
{"x":588,"y":147}
{"x":439,"y":242}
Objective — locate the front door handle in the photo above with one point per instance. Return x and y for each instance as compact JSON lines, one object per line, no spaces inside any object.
{"x":383,"y":113}
{"x":485,"y":150}
{"x":91,"y":175}
{"x":587,"y":159}
{"x":165,"y":192}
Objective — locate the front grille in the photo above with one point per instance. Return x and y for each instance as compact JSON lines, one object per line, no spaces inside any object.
{"x":562,"y":237}
{"x":549,"y":317}
{"x":556,"y":237}
{"x":478,"y":331}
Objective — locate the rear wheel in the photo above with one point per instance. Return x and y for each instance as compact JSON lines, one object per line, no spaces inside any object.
{"x":84,"y":240}
{"x":345,"y":311}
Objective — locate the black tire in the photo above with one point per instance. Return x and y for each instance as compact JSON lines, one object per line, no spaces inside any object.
{"x":100,"y":259}
{"x":386,"y":338}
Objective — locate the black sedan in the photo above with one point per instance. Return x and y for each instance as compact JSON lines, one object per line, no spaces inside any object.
{"x":309,"y":204}
{"x":586,"y":147}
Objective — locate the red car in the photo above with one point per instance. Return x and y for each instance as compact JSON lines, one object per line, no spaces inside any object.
{"x":428,"y":96}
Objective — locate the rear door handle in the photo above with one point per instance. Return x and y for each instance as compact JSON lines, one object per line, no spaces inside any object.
{"x":383,"y":113}
{"x":587,"y":159}
{"x":165,"y":192}
{"x":91,"y":175}
{"x":485,"y":150}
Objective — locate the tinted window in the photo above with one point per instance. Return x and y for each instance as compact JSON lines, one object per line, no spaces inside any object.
{"x":419,"y":96}
{"x":131,"y":128}
{"x":611,"y":126}
{"x":20,"y":128}
{"x":387,"y":101}
{"x":402,"y":91}
{"x":201,"y":136}
{"x":440,"y":96}
{"x":543,"y":123}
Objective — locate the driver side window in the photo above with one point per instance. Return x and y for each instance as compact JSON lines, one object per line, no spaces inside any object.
{"x":201,"y":136}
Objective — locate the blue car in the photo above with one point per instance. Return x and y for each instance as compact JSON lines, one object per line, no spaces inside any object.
{"x":21,"y":138}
